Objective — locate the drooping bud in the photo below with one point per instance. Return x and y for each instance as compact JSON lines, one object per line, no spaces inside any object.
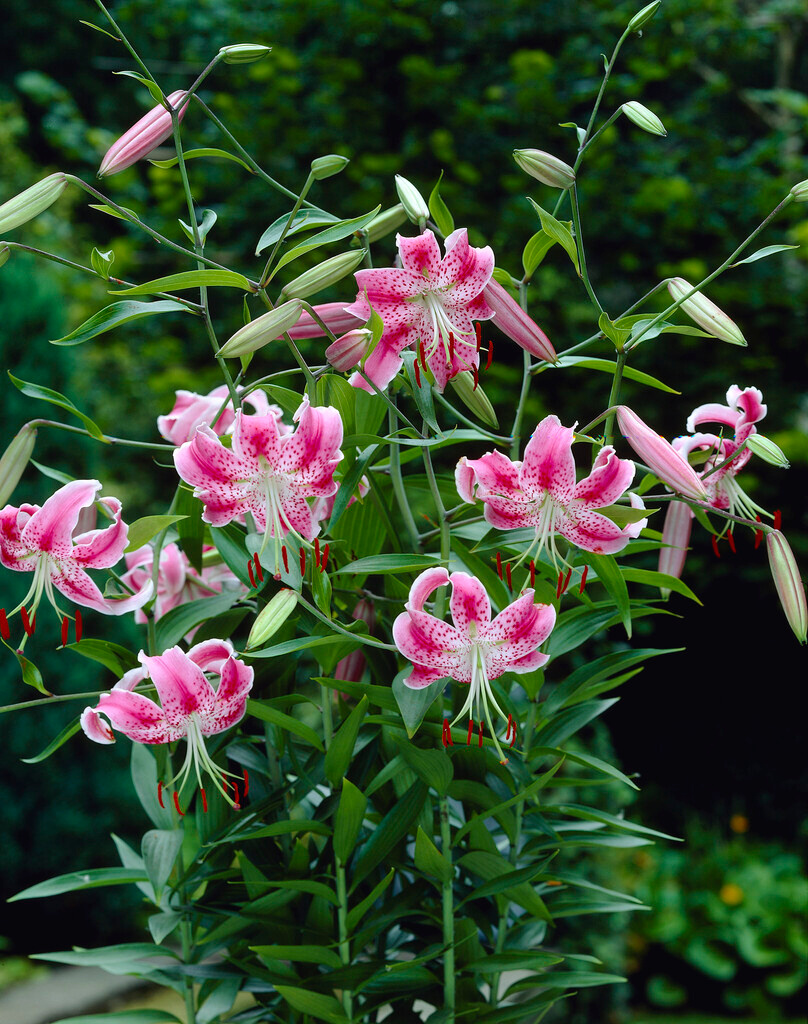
{"x":643,"y":118}
{"x":333,"y":316}
{"x":660,"y":455}
{"x":387,"y":221}
{"x":14,"y":460}
{"x":326,"y":166}
{"x":545,"y":167}
{"x":352,"y":667}
{"x":705,"y":313}
{"x":31,"y":202}
{"x":324,"y":274}
{"x":272,"y":616}
{"x":512,"y":320}
{"x":790,"y":588}
{"x":411,"y":199}
{"x":473,"y":397}
{"x":676,"y":537}
{"x":144,"y":136}
{"x":243,"y":53}
{"x":767,"y":450}
{"x":642,"y":17}
{"x":262,"y":330}
{"x":800,"y":191}
{"x":348,"y":351}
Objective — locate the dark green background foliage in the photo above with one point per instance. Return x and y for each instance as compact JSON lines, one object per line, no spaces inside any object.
{"x":416,"y":88}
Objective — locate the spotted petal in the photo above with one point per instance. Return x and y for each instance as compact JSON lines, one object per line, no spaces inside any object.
{"x":548,"y":466}
{"x":181,"y":686}
{"x":609,"y":478}
{"x":51,"y":527}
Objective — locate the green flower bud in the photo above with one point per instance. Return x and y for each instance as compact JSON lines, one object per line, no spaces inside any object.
{"x":790,"y":588}
{"x":5,"y":252}
{"x":411,"y":199}
{"x":474,"y":399}
{"x":705,"y":313}
{"x":14,"y":460}
{"x":271,"y":617}
{"x":643,"y":118}
{"x":325,"y":166}
{"x":767,"y":450}
{"x":262,"y":330}
{"x":243,"y":53}
{"x":32,"y":201}
{"x":545,"y":167}
{"x":323,"y":275}
{"x":800,"y":191}
{"x":641,"y":18}
{"x":387,"y":221}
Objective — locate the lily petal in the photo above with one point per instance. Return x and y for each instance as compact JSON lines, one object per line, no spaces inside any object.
{"x":469,"y":603}
{"x":51,"y":527}
{"x":101,"y":549}
{"x":609,"y":479}
{"x":548,"y":465}
{"x":181,"y":686}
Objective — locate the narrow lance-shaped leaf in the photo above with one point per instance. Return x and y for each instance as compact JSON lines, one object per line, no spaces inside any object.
{"x":114,"y":315}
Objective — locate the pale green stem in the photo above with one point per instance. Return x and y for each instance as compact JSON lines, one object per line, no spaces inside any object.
{"x":135,"y":55}
{"x":342,"y":923}
{"x":107,"y":438}
{"x":523,"y":393}
{"x":614,"y":395}
{"x":328,"y":715}
{"x":186,"y":935}
{"x":469,"y":422}
{"x":579,"y":244}
{"x":266,"y":277}
{"x":298,"y":356}
{"x":447,"y":900}
{"x":56,"y":699}
{"x":443,"y":526}
{"x":398,"y":484}
{"x":362,"y":638}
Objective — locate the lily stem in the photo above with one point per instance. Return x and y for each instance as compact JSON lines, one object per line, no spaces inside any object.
{"x":342,"y":923}
{"x":579,"y":243}
{"x":443,"y":524}
{"x":520,"y":407}
{"x":614,"y":395}
{"x":447,"y":899}
{"x":398,"y":482}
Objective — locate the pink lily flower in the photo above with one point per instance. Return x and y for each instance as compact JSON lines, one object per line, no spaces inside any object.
{"x":177,"y":580}
{"x":670,"y":465}
{"x":745,"y":408}
{"x":474,"y":649}
{"x":191,"y":410}
{"x":266,"y":473}
{"x":430,"y":300}
{"x":143,"y":137}
{"x":541,"y":493}
{"x":40,"y":540}
{"x":512,"y":320}
{"x":189,"y":705}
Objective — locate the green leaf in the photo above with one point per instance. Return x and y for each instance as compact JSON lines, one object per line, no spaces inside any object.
{"x":303,"y":220}
{"x":92,"y":878}
{"x":566,"y":723}
{"x":490,"y":866}
{"x":559,"y":232}
{"x":300,"y":954}
{"x":383,"y":564}
{"x":144,"y":779}
{"x":69,"y":730}
{"x":759,"y":254}
{"x":105,"y":956}
{"x":334,"y":390}
{"x":155,"y":91}
{"x":229,"y":541}
{"x":53,"y":474}
{"x":194,"y":154}
{"x":108,"y":210}
{"x":622,"y":515}
{"x":607,"y":366}
{"x":579,"y":979}
{"x":515,"y":960}
{"x":616,"y":335}
{"x":506,"y":880}
{"x":31,"y":675}
{"x":259,"y":709}
{"x":534,"y":252}
{"x":333,"y":233}
{"x":283,"y":828}
{"x":429,"y":859}
{"x":114,"y":315}
{"x":101,"y":262}
{"x":319,"y":1006}
{"x":142,"y":530}
{"x":610,"y":576}
{"x":98,"y":28}
{"x":434,"y":767}
{"x":359,"y":911}
{"x":348,"y":822}
{"x":48,"y":395}
{"x":658,"y":579}
{"x":190,"y":279}
{"x":414,"y":704}
{"x":338,"y":756}
{"x":304,"y":643}
{"x":593,"y":671}
{"x":440,"y":211}
{"x":390,"y":831}
{"x":421,"y":393}
{"x":124,"y":1016}
{"x":160,"y":847}
{"x":114,"y":657}
{"x":622,"y":824}
{"x":173,"y":626}
{"x":350,"y":482}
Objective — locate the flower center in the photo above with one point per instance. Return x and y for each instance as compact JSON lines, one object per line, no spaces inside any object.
{"x":442,"y":327}
{"x":480,"y":693}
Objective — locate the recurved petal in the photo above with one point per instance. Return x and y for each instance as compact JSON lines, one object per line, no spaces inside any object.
{"x":528,"y":663}
{"x":420,"y":256}
{"x":749,"y":403}
{"x":13,"y":553}
{"x":511,"y":513}
{"x":712,"y":412}
{"x":428,"y":641}
{"x":136,"y":717}
{"x":591,"y":531}
{"x":425,"y":585}
{"x":609,"y":478}
{"x":101,"y":549}
{"x":95,"y":728}
{"x":548,"y":465}
{"x":207,"y":464}
{"x":231,"y":697}
{"x":422,"y":676}
{"x":517,"y":631}
{"x":312,"y":451}
{"x":51,"y":527}
{"x":210,"y":655}
{"x":469,"y":603}
{"x":181,"y":686}
{"x":71,"y":580}
{"x":465,"y":270}
{"x":255,"y":437}
{"x":495,"y":473}
{"x":384,"y":362}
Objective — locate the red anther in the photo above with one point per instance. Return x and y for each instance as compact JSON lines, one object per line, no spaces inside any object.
{"x":508,"y":575}
{"x":324,"y":562}
{"x":499,"y":565}
{"x":513,"y":739}
{"x":479,"y":332}
{"x":731,"y":540}
{"x":65,"y":624}
{"x":446,"y":738}
{"x":583,"y":579}
{"x":560,"y":584}
{"x":79,"y":627}
{"x":160,"y":795}
{"x":285,"y":559}
{"x":490,"y":355}
{"x":236,"y":802}
{"x":204,"y":800}
{"x":302,"y":562}
{"x":258,"y":569}
{"x":246,"y":783}
{"x":476,"y":372}
{"x":480,"y":735}
{"x":451,"y":347}
{"x":422,"y":353}
{"x":778,"y":519}
{"x":714,"y":540}
{"x":316,"y":550}
{"x":5,"y":632}
{"x":510,"y":726}
{"x":758,"y":534}
{"x":417,"y":373}
{"x":180,"y":811}
{"x":471,"y":730}
{"x":250,"y":572}
{"x":28,"y":626}
{"x":532,"y":573}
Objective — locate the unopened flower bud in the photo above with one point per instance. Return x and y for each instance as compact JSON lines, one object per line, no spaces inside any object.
{"x":800,"y":191}
{"x":143,"y":137}
{"x":675,"y":537}
{"x":512,"y":320}
{"x":705,"y":313}
{"x":643,"y":118}
{"x":642,"y":17}
{"x":333,"y":316}
{"x":324,"y":274}
{"x":32,"y":201}
{"x":326,"y":166}
{"x":349,"y":350}
{"x":790,"y":588}
{"x":411,"y":199}
{"x":243,"y":53}
{"x":387,"y":221}
{"x":272,"y":616}
{"x":767,"y":450}
{"x":262,"y":330}
{"x":473,"y":398}
{"x":5,"y":252}
{"x":14,"y":460}
{"x":659,"y":455}
{"x":545,"y":167}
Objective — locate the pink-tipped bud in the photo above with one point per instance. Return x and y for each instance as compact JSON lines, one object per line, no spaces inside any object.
{"x":790,"y":588}
{"x":333,"y":316}
{"x":143,"y":137}
{"x":352,"y":667}
{"x":659,"y":455}
{"x":676,"y":537}
{"x":705,"y":313}
{"x":348,"y":351}
{"x":512,"y":320}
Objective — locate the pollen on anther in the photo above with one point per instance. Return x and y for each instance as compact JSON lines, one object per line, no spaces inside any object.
{"x":324,"y":562}
{"x":27,"y":625}
{"x":236,"y":801}
{"x":160,"y":795}
{"x":490,"y":355}
{"x":714,"y":541}
{"x":65,"y":625}
{"x":532,"y":573}
{"x":560,"y":584}
{"x":451,"y":347}
{"x":258,"y":569}
{"x":204,"y":800}
{"x":302,"y":562}
{"x":316,"y":550}
{"x":471,"y":730}
{"x":417,"y":373}
{"x":446,"y":736}
{"x":246,"y":783}
{"x":285,"y":559}
{"x":778,"y":519}
{"x":5,"y":632}
{"x":180,"y":811}
{"x":731,"y":540}
{"x":499,"y":565}
{"x":479,"y":332}
{"x":758,"y":534}
{"x":584,"y":574}
{"x":422,"y":353}
{"x":250,"y":572}
{"x":476,"y":372}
